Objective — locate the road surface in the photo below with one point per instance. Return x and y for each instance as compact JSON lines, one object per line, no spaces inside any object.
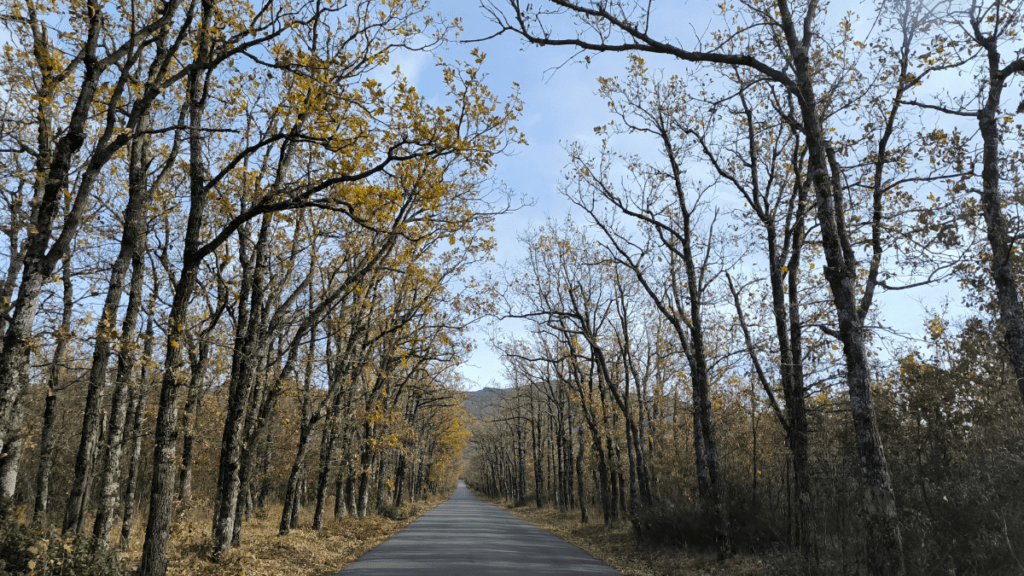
{"x":467,"y":537}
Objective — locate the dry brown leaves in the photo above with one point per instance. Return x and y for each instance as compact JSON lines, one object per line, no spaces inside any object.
{"x":615,"y":547}
{"x":303,"y":552}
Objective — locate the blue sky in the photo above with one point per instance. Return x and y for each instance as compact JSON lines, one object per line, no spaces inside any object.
{"x":561,"y":107}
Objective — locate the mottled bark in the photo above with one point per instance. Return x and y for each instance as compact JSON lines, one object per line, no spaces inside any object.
{"x":54,"y":380}
{"x":10,"y":459}
{"x":110,"y":488}
{"x":382,"y":487}
{"x":52,"y":167}
{"x":400,"y":480}
{"x":299,"y":501}
{"x":45,"y":455}
{"x":132,"y":246}
{"x":249,"y":345}
{"x":340,"y":501}
{"x":1000,"y":238}
{"x":137,"y":409}
{"x":350,"y":491}
{"x":841,"y":272}
{"x":158,"y":526}
{"x":193,"y":403}
{"x":538,"y":456}
{"x":261,"y":403}
{"x":292,"y":488}
{"x":584,"y":517}
{"x":365,"y":466}
{"x":324,"y":471}
{"x":16,"y":250}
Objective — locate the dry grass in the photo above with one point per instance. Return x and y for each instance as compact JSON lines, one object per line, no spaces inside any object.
{"x":615,"y":547}
{"x":301,"y":553}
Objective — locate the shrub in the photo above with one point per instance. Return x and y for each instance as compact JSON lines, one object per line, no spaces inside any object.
{"x":392,"y":512}
{"x":695,"y":527}
{"x":29,"y":548}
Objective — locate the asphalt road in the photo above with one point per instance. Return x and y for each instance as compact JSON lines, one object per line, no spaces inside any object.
{"x":467,"y":537}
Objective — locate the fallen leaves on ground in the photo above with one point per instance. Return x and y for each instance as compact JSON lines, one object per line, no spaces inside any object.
{"x":303,"y":552}
{"x":615,"y":546}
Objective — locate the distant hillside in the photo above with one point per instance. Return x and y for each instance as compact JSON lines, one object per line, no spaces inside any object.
{"x":479,"y":402}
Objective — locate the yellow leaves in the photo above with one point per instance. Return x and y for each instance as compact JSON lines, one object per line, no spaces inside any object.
{"x":936,"y":327}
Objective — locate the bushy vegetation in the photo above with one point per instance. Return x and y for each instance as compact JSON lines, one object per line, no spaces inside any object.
{"x":28,"y":548}
{"x":953,"y":433}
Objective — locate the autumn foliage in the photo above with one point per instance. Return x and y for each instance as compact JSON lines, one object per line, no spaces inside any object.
{"x":234,"y":233}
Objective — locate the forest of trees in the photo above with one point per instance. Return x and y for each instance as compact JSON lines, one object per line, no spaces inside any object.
{"x":702,"y":352}
{"x":239,"y":263}
{"x":245,"y":254}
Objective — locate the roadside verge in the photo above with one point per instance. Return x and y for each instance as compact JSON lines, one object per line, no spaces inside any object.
{"x":615,"y":546}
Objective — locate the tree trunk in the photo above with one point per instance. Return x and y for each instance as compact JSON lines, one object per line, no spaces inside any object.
{"x":299,"y":497}
{"x":133,"y":238}
{"x":560,"y":470}
{"x":570,"y":497}
{"x":265,"y":480}
{"x":158,"y":525}
{"x":365,"y":463}
{"x":110,"y":488}
{"x":602,"y":471}
{"x":56,"y":376}
{"x":193,"y":403}
{"x":399,"y":500}
{"x":138,"y":407}
{"x":340,"y":496}
{"x":538,"y":457}
{"x":326,"y":451}
{"x":228,"y":480}
{"x":15,"y":260}
{"x":138,"y":410}
{"x":10,"y":460}
{"x":584,"y":518}
{"x":52,"y":168}
{"x":997,"y":228}
{"x":45,"y":455}
{"x":417,"y":490}
{"x":292,"y":491}
{"x":382,"y":487}
{"x":262,"y":403}
{"x":350,"y":492}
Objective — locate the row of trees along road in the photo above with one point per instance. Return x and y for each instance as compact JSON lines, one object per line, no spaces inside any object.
{"x":232,"y":220}
{"x":719,"y":307}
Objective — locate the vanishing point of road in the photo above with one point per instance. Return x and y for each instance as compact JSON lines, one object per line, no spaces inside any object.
{"x":467,"y":537}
